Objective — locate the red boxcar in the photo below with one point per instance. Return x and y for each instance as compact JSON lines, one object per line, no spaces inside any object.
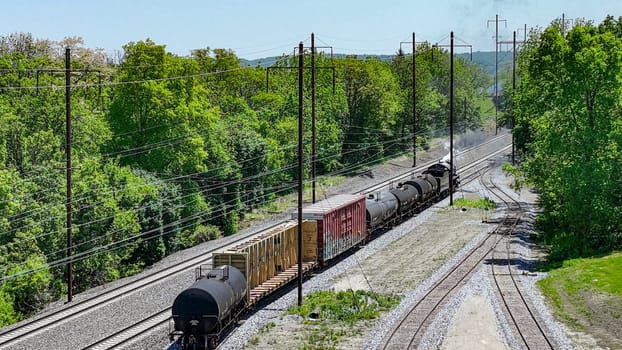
{"x":340,"y":224}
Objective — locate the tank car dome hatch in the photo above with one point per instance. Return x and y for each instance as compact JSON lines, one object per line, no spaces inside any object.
{"x":198,"y":309}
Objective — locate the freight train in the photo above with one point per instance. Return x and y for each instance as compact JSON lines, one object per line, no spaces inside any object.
{"x":245,"y":274}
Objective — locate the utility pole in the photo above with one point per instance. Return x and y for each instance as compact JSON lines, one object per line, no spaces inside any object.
{"x":313,"y":131}
{"x":513,"y":42}
{"x":524,"y":29}
{"x":300,"y":172}
{"x":313,"y":155}
{"x":564,"y":23}
{"x":513,"y":90}
{"x":497,"y":20}
{"x":414,"y":96}
{"x":414,"y":81}
{"x":300,"y":69}
{"x":313,"y":117}
{"x":451,"y":119}
{"x":464,"y":116}
{"x":68,"y":171}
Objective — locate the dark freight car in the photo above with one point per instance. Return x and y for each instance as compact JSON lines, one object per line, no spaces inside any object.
{"x":407,"y":196}
{"x":201,"y":311}
{"x":381,"y":209}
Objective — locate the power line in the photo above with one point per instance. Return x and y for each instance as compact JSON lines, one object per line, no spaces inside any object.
{"x":93,"y":251}
{"x":129,"y":240}
{"x":132,"y":81}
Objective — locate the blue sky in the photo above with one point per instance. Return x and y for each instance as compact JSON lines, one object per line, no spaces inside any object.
{"x":255,"y":29}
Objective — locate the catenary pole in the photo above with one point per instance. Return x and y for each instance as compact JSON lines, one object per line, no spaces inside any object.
{"x":451,"y":120}
{"x":414,"y":78}
{"x":313,"y":141}
{"x":496,"y":74}
{"x":497,"y":20}
{"x":300,"y":172}
{"x":513,"y":90}
{"x":68,"y":171}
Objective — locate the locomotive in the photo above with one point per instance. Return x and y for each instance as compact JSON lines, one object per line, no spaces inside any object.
{"x":332,"y":227}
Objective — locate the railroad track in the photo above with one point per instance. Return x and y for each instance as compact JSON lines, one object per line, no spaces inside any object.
{"x":142,"y":326}
{"x":130,"y":333}
{"x":524,"y":321}
{"x":127,"y":334}
{"x":411,"y":328}
{"x":15,"y":334}
{"x":410,"y":331}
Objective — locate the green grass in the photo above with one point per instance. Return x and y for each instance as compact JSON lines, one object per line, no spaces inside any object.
{"x":337,"y":313}
{"x":602,"y":274}
{"x":348,"y":306}
{"x":574,"y":287}
{"x":485,"y":105}
{"x":482,"y":203}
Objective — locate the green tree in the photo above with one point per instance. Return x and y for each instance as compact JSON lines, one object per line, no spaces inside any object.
{"x":568,"y":113}
{"x":373,"y":106}
{"x":8,"y":315}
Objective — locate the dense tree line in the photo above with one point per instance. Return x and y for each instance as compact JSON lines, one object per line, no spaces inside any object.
{"x":569,"y":130}
{"x":172,"y":151}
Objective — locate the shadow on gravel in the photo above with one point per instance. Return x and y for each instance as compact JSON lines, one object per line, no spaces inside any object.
{"x":513,"y":262}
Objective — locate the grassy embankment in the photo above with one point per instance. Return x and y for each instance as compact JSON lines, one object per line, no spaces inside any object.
{"x":587,"y":295}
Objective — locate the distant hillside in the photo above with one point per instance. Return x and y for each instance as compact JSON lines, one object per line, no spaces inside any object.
{"x":269,"y":61}
{"x":484,"y":58}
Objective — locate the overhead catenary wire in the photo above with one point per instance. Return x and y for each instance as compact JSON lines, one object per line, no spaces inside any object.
{"x":22,"y":216}
{"x":139,"y":150}
{"x":129,"y":240}
{"x":139,"y":235}
{"x":78,"y":199}
{"x":211,"y":215}
{"x":61,"y":163}
{"x":278,"y":188}
{"x":121,"y":83}
{"x":201,"y":188}
{"x":142,"y":149}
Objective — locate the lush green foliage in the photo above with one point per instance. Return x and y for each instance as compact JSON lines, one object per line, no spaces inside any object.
{"x":172,"y":151}
{"x":569,"y":129}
